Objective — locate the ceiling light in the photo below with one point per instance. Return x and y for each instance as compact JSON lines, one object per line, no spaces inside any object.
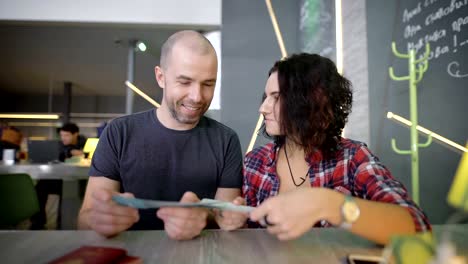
{"x":141,"y":46}
{"x":29,"y":116}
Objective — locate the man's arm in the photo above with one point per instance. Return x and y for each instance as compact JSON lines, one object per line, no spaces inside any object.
{"x":94,"y":184}
{"x":76,"y":152}
{"x":227,"y":194}
{"x":183,"y":223}
{"x":229,"y":220}
{"x":187,"y":223}
{"x":100,"y":213}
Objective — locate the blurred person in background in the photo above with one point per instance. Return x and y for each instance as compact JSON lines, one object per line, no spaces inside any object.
{"x":72,"y":142}
{"x":10,"y":139}
{"x":49,"y":191}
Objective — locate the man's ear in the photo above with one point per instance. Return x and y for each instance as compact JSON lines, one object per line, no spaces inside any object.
{"x":158,"y":72}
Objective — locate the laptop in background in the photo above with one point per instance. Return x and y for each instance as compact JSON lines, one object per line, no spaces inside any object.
{"x":43,"y":151}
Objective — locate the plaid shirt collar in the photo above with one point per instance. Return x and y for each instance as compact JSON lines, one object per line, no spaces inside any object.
{"x":316,"y":156}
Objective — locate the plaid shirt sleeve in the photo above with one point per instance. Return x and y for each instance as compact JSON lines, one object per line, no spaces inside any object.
{"x":260,"y":180}
{"x":373,"y":181}
{"x":257,"y":184}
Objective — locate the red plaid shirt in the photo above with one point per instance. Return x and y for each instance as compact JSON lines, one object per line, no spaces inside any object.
{"x":354,"y":170}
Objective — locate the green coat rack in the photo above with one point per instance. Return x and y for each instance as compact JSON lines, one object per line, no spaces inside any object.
{"x":416,"y":68}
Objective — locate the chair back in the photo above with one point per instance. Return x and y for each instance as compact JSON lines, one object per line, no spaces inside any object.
{"x":18,"y":199}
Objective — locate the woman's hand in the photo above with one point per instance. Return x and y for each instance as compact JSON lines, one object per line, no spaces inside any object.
{"x":291,"y":214}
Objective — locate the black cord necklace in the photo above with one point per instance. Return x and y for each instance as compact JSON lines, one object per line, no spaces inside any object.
{"x":290,"y":171}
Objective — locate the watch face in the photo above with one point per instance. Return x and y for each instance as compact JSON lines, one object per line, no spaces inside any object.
{"x":350,"y":211}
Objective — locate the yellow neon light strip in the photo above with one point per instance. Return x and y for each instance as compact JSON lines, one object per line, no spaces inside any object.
{"x":52,"y":124}
{"x":339,"y":36}
{"x":35,"y":124}
{"x":426,"y":131}
{"x":279,"y":37}
{"x":37,"y":138}
{"x":339,"y":51}
{"x":142,"y":94}
{"x":254,"y":135}
{"x":29,"y":116}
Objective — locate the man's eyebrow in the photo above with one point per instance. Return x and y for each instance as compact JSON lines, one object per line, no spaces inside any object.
{"x":184,"y":78}
{"x":209,"y":80}
{"x":274,"y":93}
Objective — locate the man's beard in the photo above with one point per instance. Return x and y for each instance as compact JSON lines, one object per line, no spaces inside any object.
{"x":182,"y":119}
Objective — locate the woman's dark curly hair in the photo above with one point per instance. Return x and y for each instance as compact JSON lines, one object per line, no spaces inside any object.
{"x":315,"y":102}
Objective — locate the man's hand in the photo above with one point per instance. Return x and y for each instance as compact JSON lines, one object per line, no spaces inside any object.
{"x":230,"y":220}
{"x":183,"y":223}
{"x":76,"y":152}
{"x":107,"y":217}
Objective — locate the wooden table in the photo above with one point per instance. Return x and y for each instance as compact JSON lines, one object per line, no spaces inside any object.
{"x":320,"y":245}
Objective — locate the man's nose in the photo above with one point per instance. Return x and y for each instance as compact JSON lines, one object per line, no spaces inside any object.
{"x":196,"y":93}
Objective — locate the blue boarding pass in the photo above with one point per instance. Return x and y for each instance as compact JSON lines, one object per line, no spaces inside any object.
{"x":205,"y":203}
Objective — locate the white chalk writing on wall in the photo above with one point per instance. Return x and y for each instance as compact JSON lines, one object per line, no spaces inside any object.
{"x":426,"y":22}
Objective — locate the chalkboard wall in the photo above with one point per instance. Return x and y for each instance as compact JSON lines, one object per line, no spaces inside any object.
{"x":442,"y":93}
{"x":444,"y":25}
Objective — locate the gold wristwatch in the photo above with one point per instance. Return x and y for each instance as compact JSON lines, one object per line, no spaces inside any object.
{"x":349,"y":212}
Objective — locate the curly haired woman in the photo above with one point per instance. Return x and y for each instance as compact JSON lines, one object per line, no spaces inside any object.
{"x":310,"y":175}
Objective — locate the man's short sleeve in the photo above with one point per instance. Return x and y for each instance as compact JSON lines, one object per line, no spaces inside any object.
{"x":105,"y":160}
{"x":232,"y":171}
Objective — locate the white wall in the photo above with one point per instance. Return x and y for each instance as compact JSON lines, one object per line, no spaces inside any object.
{"x":355,"y":68}
{"x":178,"y":12}
{"x":215,"y":38}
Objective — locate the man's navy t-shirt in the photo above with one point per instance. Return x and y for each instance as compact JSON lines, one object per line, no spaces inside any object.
{"x":154,"y":162}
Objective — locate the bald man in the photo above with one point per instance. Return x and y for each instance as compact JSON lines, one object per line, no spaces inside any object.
{"x":172,"y":153}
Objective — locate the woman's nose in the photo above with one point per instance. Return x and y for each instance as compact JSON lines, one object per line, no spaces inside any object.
{"x":264,"y":107}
